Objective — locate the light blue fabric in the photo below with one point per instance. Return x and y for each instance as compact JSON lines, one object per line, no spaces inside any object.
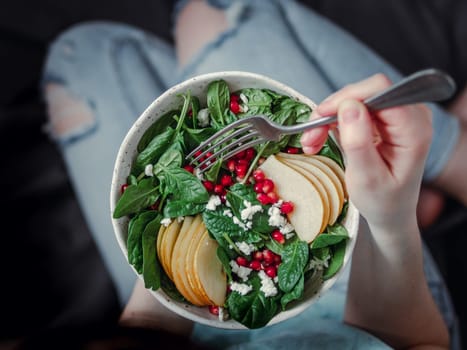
{"x":118,"y":71}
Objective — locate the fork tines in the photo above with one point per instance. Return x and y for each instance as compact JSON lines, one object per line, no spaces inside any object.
{"x":224,"y":144}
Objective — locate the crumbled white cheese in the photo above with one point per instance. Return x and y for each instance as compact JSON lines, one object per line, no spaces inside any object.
{"x":213,"y":202}
{"x":199,"y":175}
{"x":180,"y":219}
{"x":243,"y":98}
{"x":149,"y":170}
{"x":223,"y":314}
{"x":241,"y":288}
{"x":228,"y":213}
{"x":250,"y":210}
{"x":267,"y":284}
{"x":243,"y":108}
{"x":245,"y":248}
{"x":237,"y":221}
{"x":241,"y":271}
{"x":166,"y":221}
{"x":287,"y":228}
{"x":275,"y":217}
{"x":203,"y":117}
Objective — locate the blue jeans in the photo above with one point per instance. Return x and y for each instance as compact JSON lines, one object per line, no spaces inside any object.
{"x":111,"y":72}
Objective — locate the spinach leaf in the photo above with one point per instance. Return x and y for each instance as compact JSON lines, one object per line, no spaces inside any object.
{"x":153,"y":150}
{"x":171,"y":290}
{"x":176,"y":208}
{"x":157,"y":128}
{"x":224,"y":258}
{"x":337,"y":260}
{"x":212,"y":173}
{"x":326,"y":239}
{"x":253,"y":310}
{"x":182,"y":185}
{"x":218,"y":100}
{"x":193,"y":137}
{"x":259,"y":101}
{"x":221,"y":227}
{"x":134,"y":240}
{"x":136,"y":198}
{"x":331,"y":150}
{"x":294,"y":259}
{"x":295,"y":294}
{"x":151,"y":265}
{"x":172,"y":157}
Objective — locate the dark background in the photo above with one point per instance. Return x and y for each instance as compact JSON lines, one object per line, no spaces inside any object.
{"x":52,"y":275}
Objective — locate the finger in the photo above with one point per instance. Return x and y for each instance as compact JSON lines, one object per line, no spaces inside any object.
{"x":356,"y":137}
{"x":357,"y":91}
{"x":312,"y":140}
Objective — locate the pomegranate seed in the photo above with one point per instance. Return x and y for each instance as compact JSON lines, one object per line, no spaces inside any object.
{"x":255,"y":265}
{"x":223,"y":198}
{"x":197,"y":154}
{"x":258,"y":175}
{"x":258,"y":187}
{"x":233,"y":97}
{"x":234,"y":106}
{"x":241,"y":169}
{"x":263,"y":198}
{"x":240,"y":155}
{"x":226,"y":180}
{"x":278,"y":236}
{"x":271,"y":271}
{"x":208,"y":185}
{"x":257,"y":255}
{"x":242,"y":261}
{"x":189,"y":168}
{"x":214,"y":309}
{"x":273,"y":197}
{"x":268,"y":186}
{"x":277,"y":259}
{"x":219,"y":189}
{"x":268,"y":256}
{"x":292,"y":150}
{"x":243,"y":161}
{"x":287,"y":207}
{"x":249,"y":154}
{"x":123,"y":188}
{"x":231,"y":165}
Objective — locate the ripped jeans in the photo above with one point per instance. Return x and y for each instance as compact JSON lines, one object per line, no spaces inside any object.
{"x":100,"y":76}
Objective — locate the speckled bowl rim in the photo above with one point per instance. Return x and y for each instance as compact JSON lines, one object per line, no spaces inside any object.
{"x":127,"y":152}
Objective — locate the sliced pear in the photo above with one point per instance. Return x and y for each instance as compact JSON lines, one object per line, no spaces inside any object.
{"x":308,"y":214}
{"x":209,"y":270}
{"x":160,"y":236}
{"x":335,"y":167}
{"x":167,"y":245}
{"x":197,"y":231}
{"x":335,"y":202}
{"x":179,"y":274}
{"x":319,"y":187}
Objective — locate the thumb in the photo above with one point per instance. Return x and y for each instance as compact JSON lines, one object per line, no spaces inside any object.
{"x":356,"y":133}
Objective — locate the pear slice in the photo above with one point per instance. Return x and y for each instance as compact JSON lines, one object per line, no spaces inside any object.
{"x":160,"y":237}
{"x":335,"y":167}
{"x":319,"y":187}
{"x":335,"y":203}
{"x":209,"y":270}
{"x":167,"y":245}
{"x":180,"y":277}
{"x":308,"y":214}
{"x":197,"y":230}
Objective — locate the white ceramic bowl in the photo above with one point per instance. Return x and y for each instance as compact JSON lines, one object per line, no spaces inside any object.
{"x":170,"y":100}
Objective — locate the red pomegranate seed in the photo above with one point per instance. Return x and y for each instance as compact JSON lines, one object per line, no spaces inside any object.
{"x":271,"y":271}
{"x":208,"y":185}
{"x":189,"y":168}
{"x":273,"y":197}
{"x":287,"y":207}
{"x":268,"y":186}
{"x":231,"y":165}
{"x":277,"y":259}
{"x":258,"y":175}
{"x":234,"y":106}
{"x":226,"y":180}
{"x":257,"y":255}
{"x":197,"y":154}
{"x":263,"y":198}
{"x":258,"y":187}
{"x":241,"y":169}
{"x":268,"y":256}
{"x":234,"y":97}
{"x":219,"y":189}
{"x":242,"y":261}
{"x":240,"y":155}
{"x":255,"y":265}
{"x":249,"y":154}
{"x":214,"y":309}
{"x":123,"y":188}
{"x":292,"y":150}
{"x":278,"y":236}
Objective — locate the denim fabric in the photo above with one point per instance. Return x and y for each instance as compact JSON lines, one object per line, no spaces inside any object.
{"x":117,"y":71}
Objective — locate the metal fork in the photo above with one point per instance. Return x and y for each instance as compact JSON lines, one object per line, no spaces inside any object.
{"x":428,"y":85}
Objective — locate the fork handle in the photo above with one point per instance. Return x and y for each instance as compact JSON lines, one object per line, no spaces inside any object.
{"x":429,"y":85}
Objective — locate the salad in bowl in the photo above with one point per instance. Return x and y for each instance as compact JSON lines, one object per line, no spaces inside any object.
{"x":251,"y":241}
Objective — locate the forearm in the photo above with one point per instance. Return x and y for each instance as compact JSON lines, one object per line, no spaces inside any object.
{"x":388,"y":295}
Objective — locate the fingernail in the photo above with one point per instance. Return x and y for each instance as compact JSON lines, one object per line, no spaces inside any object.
{"x":350,"y":112}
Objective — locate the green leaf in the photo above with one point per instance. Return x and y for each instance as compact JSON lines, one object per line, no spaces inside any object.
{"x":165,"y":121}
{"x":176,"y":208}
{"x":259,"y":101}
{"x":337,"y":260}
{"x":151,"y":265}
{"x":294,"y":259}
{"x":213,"y":172}
{"x":331,"y":150}
{"x":136,"y":198}
{"x":153,"y":151}
{"x":326,"y":240}
{"x":218,"y":224}
{"x":135,"y":235}
{"x":182,"y":185}
{"x":295,"y":294}
{"x":218,"y":100}
{"x":253,"y":310}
